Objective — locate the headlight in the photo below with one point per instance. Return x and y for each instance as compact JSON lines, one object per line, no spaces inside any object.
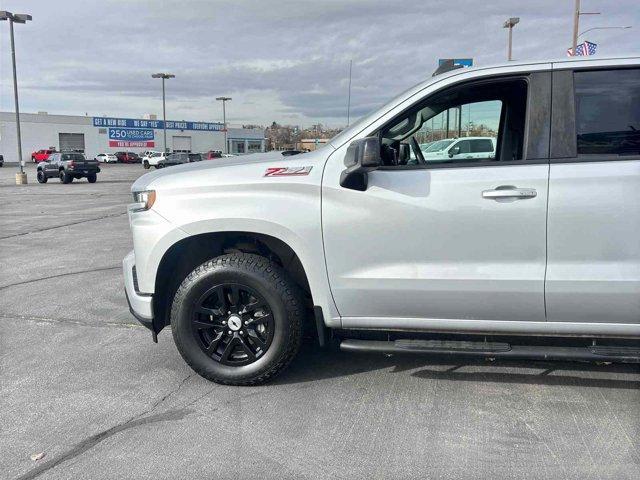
{"x":144,"y":200}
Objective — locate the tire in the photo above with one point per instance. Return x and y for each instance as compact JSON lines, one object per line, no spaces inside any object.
{"x":92,"y":177}
{"x":65,"y":177}
{"x":42,"y":178}
{"x":146,"y":165}
{"x":255,"y":277}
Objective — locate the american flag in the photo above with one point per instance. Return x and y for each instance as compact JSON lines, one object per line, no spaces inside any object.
{"x":584,"y":49}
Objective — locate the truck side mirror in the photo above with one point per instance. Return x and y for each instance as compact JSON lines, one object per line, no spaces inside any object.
{"x":362,"y":156}
{"x":454,"y":151}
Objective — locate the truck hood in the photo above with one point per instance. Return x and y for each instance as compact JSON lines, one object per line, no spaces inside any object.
{"x":230,"y":170}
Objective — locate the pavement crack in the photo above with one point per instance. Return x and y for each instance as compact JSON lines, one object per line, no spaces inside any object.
{"x":139,"y":420}
{"x":38,"y":230}
{"x":70,"y":321}
{"x":49,"y":277}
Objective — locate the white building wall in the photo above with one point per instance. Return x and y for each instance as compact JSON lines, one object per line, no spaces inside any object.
{"x":42,"y":131}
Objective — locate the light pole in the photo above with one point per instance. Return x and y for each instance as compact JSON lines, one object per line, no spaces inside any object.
{"x":576,"y":25}
{"x":164,"y":76}
{"x":349,"y":94}
{"x":510,"y":24}
{"x":21,"y":178}
{"x":224,"y":101}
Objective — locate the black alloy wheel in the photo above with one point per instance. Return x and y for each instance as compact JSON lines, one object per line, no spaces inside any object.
{"x":233,"y":324}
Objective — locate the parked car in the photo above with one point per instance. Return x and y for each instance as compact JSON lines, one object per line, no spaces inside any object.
{"x":453,"y":149}
{"x":42,"y":155}
{"x":106,"y":158}
{"x":148,"y":153}
{"x":195,"y":157}
{"x":128,"y":157}
{"x":530,"y":253}
{"x":152,"y":160}
{"x":212,"y":154}
{"x":67,"y":166}
{"x":173,"y":159}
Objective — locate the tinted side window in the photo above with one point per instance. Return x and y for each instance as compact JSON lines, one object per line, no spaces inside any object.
{"x":608,"y":111}
{"x":481,"y":146}
{"x":463,"y":146}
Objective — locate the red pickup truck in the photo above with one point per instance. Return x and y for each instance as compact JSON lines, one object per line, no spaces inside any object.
{"x":41,"y":155}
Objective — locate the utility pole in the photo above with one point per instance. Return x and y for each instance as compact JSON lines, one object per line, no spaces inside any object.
{"x":21,"y":177}
{"x":512,"y":22}
{"x":224,"y":101}
{"x":576,"y":22}
{"x":349,"y":94}
{"x":164,"y":76}
{"x":576,"y":26}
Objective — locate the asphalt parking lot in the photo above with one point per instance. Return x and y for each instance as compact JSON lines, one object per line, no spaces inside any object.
{"x":82,"y":383}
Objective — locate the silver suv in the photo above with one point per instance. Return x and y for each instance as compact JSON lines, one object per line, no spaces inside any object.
{"x":530,"y":252}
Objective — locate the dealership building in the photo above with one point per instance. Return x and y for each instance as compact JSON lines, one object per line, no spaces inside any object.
{"x":94,"y":135}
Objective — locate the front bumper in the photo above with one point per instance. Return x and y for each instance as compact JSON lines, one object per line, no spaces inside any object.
{"x":140,"y":304}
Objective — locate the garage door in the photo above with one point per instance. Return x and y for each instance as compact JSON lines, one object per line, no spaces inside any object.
{"x":181,"y":144}
{"x":71,"y":142}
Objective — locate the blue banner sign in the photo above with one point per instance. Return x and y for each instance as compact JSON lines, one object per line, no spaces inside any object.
{"x":465,"y":62}
{"x":156,"y":124}
{"x":131,"y":134}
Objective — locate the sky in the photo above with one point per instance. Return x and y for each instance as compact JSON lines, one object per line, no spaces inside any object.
{"x":284,"y":61}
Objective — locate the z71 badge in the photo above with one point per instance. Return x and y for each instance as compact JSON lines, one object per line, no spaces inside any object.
{"x":287,"y":171}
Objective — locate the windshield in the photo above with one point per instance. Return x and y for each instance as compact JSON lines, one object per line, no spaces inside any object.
{"x":437,"y":146}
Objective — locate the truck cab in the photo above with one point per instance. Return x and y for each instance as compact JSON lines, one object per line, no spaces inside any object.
{"x":527,"y":251}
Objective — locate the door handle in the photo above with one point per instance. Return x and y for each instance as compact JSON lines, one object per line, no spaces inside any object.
{"x":509,"y":192}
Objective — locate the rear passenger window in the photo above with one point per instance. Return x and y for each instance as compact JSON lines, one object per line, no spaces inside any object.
{"x":608,"y":112}
{"x":481,"y":146}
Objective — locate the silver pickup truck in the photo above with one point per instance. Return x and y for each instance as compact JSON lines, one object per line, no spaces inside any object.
{"x":531,"y":250}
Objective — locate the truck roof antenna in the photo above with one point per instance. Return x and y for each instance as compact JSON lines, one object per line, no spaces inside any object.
{"x":446,"y":66}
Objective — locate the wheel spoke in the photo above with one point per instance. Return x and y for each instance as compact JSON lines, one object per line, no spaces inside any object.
{"x":228,"y":349}
{"x":208,"y":311}
{"x":255,"y":338}
{"x":268,"y":318}
{"x":200,"y":324}
{"x":245,"y":346}
{"x":253,"y":306}
{"x":222,"y":298}
{"x":235,"y":296}
{"x":213,"y":346}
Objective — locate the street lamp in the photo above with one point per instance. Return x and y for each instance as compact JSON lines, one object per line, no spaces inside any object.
{"x":224,"y":101}
{"x":603,"y":28}
{"x":21,"y":177}
{"x":164,"y":76}
{"x":510,"y":24}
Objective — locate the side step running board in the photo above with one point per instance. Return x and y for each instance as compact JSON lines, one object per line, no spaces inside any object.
{"x":495,"y":349}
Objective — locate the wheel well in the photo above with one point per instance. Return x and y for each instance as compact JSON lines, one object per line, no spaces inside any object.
{"x":190,"y":252}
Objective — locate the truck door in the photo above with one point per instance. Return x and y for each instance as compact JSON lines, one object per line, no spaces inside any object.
{"x":593,"y":272}
{"x":447,"y":238}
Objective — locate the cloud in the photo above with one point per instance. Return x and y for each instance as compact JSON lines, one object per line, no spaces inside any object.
{"x":279,"y":60}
